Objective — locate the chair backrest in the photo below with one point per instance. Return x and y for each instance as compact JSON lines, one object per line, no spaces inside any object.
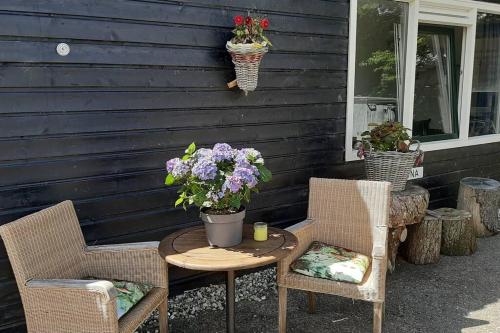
{"x":349,"y":211}
{"x":45,"y":245}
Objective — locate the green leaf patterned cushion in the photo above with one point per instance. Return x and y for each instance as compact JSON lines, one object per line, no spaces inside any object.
{"x":129,"y":294}
{"x":332,"y":262}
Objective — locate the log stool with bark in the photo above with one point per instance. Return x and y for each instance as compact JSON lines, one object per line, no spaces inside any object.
{"x":458,"y":236}
{"x":423,"y":245}
{"x":408,"y":207}
{"x":481,"y":197}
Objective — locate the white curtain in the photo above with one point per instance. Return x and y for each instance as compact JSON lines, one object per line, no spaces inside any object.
{"x":400,"y":36}
{"x":442,"y":47}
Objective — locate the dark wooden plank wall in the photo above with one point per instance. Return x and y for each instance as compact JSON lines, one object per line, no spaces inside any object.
{"x":142,"y":81}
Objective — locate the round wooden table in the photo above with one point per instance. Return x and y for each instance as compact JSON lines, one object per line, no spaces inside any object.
{"x":188,"y":248}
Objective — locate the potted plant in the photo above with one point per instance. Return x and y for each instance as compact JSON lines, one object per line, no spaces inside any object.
{"x":387,"y":154}
{"x":218,"y":181}
{"x":247,"y":48}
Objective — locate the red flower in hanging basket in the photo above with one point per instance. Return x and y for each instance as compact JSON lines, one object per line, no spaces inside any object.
{"x":238,"y":20}
{"x":264,"y":24}
{"x":250,"y":30}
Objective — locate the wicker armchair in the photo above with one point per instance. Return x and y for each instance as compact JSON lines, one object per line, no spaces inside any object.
{"x":350,"y":214}
{"x":49,"y":257}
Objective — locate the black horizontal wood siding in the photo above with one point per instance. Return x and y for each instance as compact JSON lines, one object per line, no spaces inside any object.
{"x":142,"y":81}
{"x":146,"y":78}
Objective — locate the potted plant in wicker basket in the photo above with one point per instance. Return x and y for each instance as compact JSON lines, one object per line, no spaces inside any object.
{"x":387,"y":153}
{"x":218,"y":181}
{"x":247,"y":48}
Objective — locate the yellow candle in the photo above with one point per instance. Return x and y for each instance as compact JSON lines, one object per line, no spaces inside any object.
{"x":260,"y":231}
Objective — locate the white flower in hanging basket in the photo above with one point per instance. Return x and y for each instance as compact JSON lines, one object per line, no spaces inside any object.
{"x":247,"y":48}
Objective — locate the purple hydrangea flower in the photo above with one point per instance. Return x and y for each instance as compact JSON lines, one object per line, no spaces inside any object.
{"x":203,"y":153}
{"x":222,"y":152}
{"x":213,"y":196}
{"x":177,"y":167}
{"x":254,"y":170}
{"x":245,"y":156}
{"x":205,"y":169}
{"x":247,"y":175}
{"x":171,"y":163}
{"x":233,"y":183}
{"x":251,"y":152}
{"x":242,"y":162}
{"x":240,"y":158}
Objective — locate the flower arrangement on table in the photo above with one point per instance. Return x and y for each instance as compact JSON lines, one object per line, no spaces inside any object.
{"x":247,"y":48}
{"x":387,"y":154}
{"x":217,"y":180}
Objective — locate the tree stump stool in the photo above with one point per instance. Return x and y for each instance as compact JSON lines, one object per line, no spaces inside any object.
{"x":458,"y":236}
{"x":407,"y":207}
{"x":481,"y":198}
{"x":423,"y":245}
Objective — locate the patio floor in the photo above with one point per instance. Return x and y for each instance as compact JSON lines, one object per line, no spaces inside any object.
{"x":460,"y":294}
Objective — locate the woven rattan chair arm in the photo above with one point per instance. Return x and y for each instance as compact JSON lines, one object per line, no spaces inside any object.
{"x":301,"y":227}
{"x":124,"y":247}
{"x":379,"y":262}
{"x":380,"y":236}
{"x":304,"y":231}
{"x":138,"y":262}
{"x":70,"y":306}
{"x":379,"y":252}
{"x":100,"y":287}
{"x":379,"y":273}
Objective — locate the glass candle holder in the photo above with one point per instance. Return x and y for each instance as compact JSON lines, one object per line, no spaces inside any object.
{"x":260,"y":231}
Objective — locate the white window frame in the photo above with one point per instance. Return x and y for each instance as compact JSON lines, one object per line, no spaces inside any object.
{"x":458,"y":13}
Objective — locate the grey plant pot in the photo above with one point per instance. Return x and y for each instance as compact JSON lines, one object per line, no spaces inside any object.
{"x":224,"y":230}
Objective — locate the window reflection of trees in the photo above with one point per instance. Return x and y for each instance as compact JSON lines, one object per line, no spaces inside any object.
{"x":377,"y":63}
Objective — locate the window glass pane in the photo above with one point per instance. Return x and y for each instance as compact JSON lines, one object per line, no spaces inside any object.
{"x":380,"y":47}
{"x":436,"y":102}
{"x":484,"y":114}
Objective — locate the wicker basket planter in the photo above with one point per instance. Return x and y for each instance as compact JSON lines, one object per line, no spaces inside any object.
{"x":391,"y":166}
{"x":246,"y":60}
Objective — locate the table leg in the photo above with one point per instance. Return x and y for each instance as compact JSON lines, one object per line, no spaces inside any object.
{"x":230,"y":302}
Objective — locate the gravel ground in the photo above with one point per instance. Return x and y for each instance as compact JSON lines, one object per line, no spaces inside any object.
{"x":460,"y":294}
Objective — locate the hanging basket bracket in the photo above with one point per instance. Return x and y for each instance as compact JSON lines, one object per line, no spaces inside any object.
{"x":232,"y":84}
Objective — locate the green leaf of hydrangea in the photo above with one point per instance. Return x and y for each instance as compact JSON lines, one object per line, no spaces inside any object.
{"x":191,"y":149}
{"x":246,"y":194}
{"x":170,"y":180}
{"x":235,"y":202}
{"x":179,"y":201}
{"x":265,"y":174}
{"x":199,"y":198}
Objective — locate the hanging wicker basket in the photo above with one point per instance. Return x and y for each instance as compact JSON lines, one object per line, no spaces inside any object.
{"x":391,"y":166}
{"x":246,"y":60}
